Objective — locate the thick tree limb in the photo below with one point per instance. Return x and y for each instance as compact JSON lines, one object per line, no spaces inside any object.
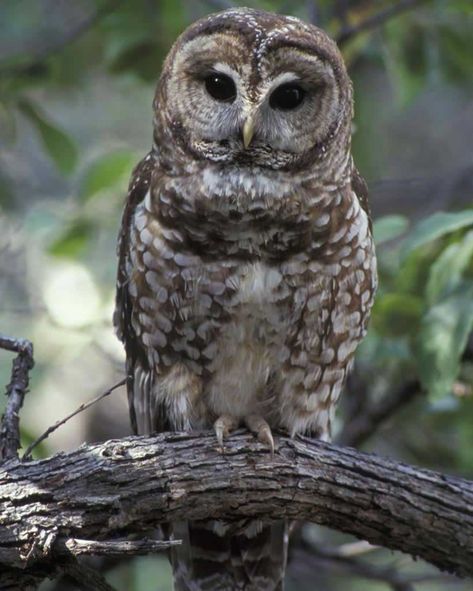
{"x":121,"y":487}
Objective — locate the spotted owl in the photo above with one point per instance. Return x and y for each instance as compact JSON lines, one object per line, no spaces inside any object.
{"x":246,"y":261}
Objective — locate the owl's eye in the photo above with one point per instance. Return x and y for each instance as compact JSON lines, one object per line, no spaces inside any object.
{"x":286,"y":97}
{"x":220,"y":87}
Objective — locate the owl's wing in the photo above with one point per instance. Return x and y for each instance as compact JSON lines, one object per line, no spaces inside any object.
{"x":122,"y":318}
{"x":359,"y":186}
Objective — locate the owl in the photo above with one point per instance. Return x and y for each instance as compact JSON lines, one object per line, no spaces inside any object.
{"x":246,"y":262}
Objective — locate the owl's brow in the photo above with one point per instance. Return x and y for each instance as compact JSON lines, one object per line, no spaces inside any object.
{"x":283,"y":78}
{"x":201,"y":66}
{"x":224,"y":68}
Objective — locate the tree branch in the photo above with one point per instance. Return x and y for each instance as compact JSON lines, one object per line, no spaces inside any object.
{"x":112,"y":548}
{"x":16,"y":390}
{"x":122,"y":487}
{"x":60,"y":422}
{"x":376,"y":20}
{"x":317,"y":556}
{"x":359,"y":427}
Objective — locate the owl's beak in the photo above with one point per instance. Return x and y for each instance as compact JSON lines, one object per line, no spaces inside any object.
{"x":248,"y":131}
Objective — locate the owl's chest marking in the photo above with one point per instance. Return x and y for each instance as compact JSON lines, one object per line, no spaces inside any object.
{"x":247,"y":345}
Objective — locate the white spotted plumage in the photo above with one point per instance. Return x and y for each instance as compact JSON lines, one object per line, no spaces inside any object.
{"x":247,"y":268}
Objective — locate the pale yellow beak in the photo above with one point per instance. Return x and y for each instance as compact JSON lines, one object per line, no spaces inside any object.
{"x":248,"y":131}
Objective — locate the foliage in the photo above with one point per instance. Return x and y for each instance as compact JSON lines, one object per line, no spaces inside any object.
{"x":426,"y":297}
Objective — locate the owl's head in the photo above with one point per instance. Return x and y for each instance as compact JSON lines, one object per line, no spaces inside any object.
{"x":253,"y":87}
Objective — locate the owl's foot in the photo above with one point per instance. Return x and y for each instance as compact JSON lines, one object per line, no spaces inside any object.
{"x":261,"y":429}
{"x":223,"y":426}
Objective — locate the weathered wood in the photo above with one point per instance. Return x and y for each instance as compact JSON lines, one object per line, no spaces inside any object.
{"x":128,"y":486}
{"x":117,"y":548}
{"x":16,"y":390}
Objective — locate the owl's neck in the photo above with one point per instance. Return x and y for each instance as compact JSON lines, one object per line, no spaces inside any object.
{"x":245,"y":213}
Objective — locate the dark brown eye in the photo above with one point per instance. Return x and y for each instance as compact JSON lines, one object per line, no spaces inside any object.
{"x":286,"y":97}
{"x":220,"y":87}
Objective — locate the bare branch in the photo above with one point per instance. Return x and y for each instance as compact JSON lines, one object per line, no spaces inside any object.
{"x":126,"y":487}
{"x":363,"y":424}
{"x":61,"y":422}
{"x":319,"y":555}
{"x":376,"y":20}
{"x":112,"y":548}
{"x":418,"y":197}
{"x":16,"y":390}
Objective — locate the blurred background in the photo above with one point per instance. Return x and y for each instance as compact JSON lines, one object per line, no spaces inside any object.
{"x":76,"y":86}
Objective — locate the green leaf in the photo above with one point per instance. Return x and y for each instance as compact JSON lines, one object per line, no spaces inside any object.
{"x":397,"y":314}
{"x":455,"y":53}
{"x":442,"y":339}
{"x":7,"y":122}
{"x":389,"y":227}
{"x":59,"y":145}
{"x":435,"y":226}
{"x":107,"y":172}
{"x":446,"y":272}
{"x":378,"y":349}
{"x":461,"y":6}
{"x":73,"y":241}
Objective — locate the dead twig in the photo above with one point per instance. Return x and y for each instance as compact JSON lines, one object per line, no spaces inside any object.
{"x":310,"y":552}
{"x":16,"y":390}
{"x":113,"y":548}
{"x":61,"y":422}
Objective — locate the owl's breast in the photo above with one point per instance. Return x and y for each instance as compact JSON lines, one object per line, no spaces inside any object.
{"x":249,"y":342}
{"x":247,"y":213}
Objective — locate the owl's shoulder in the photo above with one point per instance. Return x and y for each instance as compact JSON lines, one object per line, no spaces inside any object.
{"x":360,"y":188}
{"x":137,"y":189}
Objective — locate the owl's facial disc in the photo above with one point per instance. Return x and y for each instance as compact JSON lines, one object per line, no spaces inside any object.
{"x":274,"y":108}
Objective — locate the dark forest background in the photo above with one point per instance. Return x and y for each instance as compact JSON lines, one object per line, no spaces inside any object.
{"x":76,"y":85}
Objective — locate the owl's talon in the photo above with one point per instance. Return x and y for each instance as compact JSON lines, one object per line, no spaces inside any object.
{"x":223,"y":427}
{"x":261,"y":429}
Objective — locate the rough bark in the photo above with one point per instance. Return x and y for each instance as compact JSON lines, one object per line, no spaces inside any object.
{"x":111,"y":490}
{"x":16,"y":390}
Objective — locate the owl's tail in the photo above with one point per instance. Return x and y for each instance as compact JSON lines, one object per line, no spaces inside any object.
{"x":215,"y":556}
